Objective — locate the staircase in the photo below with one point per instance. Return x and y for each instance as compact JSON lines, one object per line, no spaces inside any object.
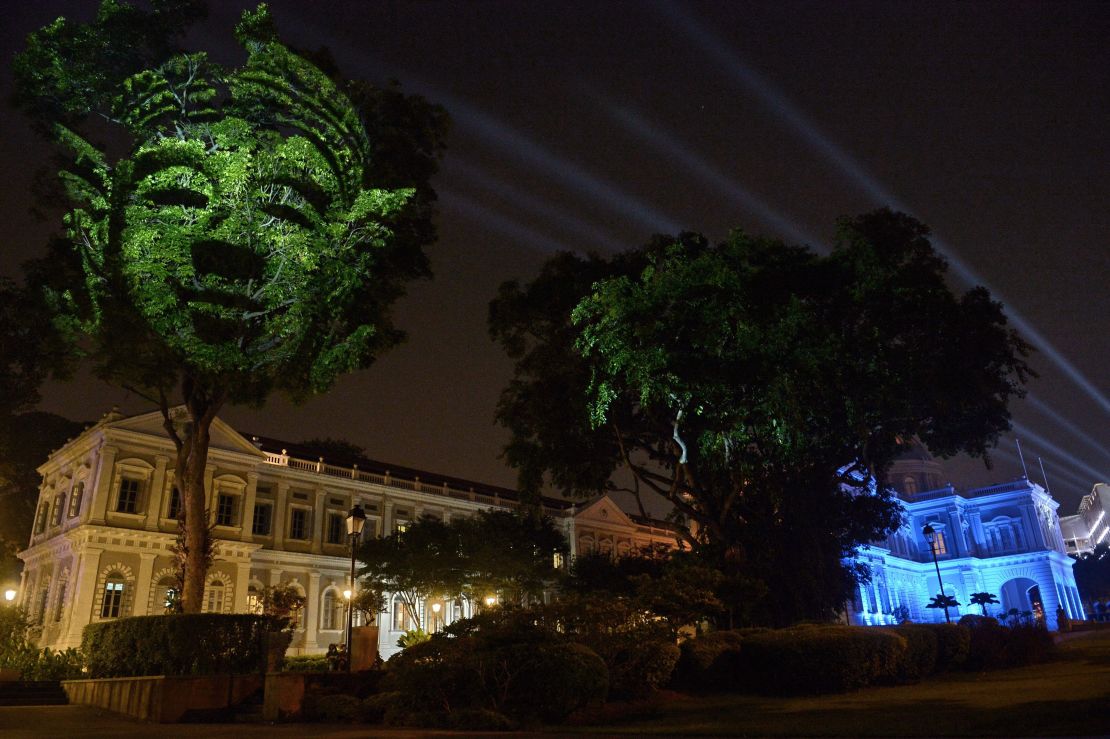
{"x":32,"y":693}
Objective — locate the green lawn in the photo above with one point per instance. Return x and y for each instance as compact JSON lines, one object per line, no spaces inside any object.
{"x":1067,"y":697}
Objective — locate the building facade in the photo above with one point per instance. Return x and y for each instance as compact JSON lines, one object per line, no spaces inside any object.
{"x":1090,"y":526}
{"x":106,"y":524}
{"x":1002,"y":539}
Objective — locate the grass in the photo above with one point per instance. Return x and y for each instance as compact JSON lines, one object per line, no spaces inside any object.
{"x":1066,"y":697}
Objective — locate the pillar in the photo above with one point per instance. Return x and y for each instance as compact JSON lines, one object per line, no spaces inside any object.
{"x":318,"y":514}
{"x":281,"y":502}
{"x":141,"y":602}
{"x":242,"y":586}
{"x":106,"y":472}
{"x":157,"y":492}
{"x":246,"y":517}
{"x":84,"y":593}
{"x":311,"y":610}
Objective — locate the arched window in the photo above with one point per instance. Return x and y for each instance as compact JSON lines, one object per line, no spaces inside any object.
{"x":402,"y":619}
{"x":329,"y":612}
{"x":75,"y":500}
{"x":214,"y":597}
{"x":113,"y":596}
{"x":165,"y":596}
{"x":909,"y":485}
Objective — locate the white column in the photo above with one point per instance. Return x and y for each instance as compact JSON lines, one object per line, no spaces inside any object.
{"x":387,"y":517}
{"x":106,"y":472}
{"x":246,"y":516}
{"x":157,"y":490}
{"x":312,"y":610}
{"x":84,"y":594}
{"x":140,"y":604}
{"x":242,"y":585}
{"x":318,"y":514}
{"x":281,"y":502}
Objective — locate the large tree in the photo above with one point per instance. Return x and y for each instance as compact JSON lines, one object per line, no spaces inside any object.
{"x":240,"y":232}
{"x":759,"y":388}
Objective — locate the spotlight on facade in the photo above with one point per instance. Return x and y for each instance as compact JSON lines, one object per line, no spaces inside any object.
{"x":9,"y":595}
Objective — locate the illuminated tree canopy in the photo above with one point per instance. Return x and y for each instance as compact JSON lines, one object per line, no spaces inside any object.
{"x":239,"y":231}
{"x":759,"y":388}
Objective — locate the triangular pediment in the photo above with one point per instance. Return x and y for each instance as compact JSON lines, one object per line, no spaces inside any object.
{"x":603,"y":511}
{"x":222,"y":436}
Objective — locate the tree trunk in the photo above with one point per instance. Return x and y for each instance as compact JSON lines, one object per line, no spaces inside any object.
{"x":192,"y":439}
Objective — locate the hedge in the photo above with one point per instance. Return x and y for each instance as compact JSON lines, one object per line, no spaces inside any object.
{"x":710,"y":662}
{"x":178,"y":644}
{"x":821,"y":659}
{"x":953,"y":645}
{"x":921,"y":652}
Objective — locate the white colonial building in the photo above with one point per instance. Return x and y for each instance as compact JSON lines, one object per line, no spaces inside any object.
{"x":1002,"y":539}
{"x":106,"y":524}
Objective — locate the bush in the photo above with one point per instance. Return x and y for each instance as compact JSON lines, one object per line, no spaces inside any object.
{"x":643,"y":668}
{"x":1027,"y":644}
{"x":479,"y":719}
{"x":338,"y":708}
{"x":985,"y":643}
{"x":308,"y":663}
{"x":821,"y":659}
{"x":953,"y":645}
{"x":499,"y":662}
{"x":921,"y":652}
{"x":710,"y":662}
{"x":178,"y":644}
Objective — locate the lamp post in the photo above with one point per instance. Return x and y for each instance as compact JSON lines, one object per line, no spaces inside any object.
{"x":356,"y":521}
{"x":931,"y":536}
{"x":9,"y":595}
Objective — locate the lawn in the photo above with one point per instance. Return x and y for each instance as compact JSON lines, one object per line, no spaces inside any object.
{"x":1066,"y":697}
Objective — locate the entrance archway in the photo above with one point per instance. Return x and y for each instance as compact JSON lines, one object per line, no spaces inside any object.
{"x":1023,"y":594}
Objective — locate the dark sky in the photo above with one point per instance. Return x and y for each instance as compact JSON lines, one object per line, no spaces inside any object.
{"x":593,"y":125}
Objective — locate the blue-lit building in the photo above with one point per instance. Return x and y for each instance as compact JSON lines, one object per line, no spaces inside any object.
{"x":1002,"y":539}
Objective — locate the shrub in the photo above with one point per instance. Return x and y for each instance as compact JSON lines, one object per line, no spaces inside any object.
{"x":921,"y":652}
{"x":821,"y":659}
{"x":642,"y":668}
{"x":479,"y":719}
{"x":1027,"y":644}
{"x":178,"y":644}
{"x":496,"y":662}
{"x":985,"y":643}
{"x":953,"y":645}
{"x":710,"y":661}
{"x":337,"y":708}
{"x":376,"y":707}
{"x":412,"y":637}
{"x":308,"y":663}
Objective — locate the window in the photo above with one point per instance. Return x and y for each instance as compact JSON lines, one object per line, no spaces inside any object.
{"x":59,"y":509}
{"x":128,"y":496}
{"x":174,"y":509}
{"x":909,"y":485}
{"x":328,"y":613}
{"x":401,"y":527}
{"x":59,"y":602}
{"x":225,"y":510}
{"x":557,"y":560}
{"x":75,"y":500}
{"x":298,"y":524}
{"x":401,"y":619}
{"x":40,"y":521}
{"x":214,"y":597}
{"x":165,"y":596}
{"x":336,"y":528}
{"x":113,"y":597}
{"x":938,"y":543}
{"x":254,"y":600}
{"x":263,"y":514}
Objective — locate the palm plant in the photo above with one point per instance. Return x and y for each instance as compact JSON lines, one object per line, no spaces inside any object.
{"x":983,"y":600}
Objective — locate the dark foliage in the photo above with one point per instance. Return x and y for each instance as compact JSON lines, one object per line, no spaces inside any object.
{"x":710,"y":662}
{"x":759,"y":388}
{"x":178,"y":644}
{"x":921,"y":652}
{"x":993,"y":645}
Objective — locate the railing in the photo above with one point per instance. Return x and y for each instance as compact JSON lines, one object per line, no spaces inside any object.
{"x":1002,"y":487}
{"x":388,"y":480}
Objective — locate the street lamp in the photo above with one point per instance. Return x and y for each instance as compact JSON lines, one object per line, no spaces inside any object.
{"x":9,"y":594}
{"x":356,"y":521}
{"x":931,"y":537}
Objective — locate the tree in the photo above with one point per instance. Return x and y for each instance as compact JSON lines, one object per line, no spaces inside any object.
{"x":494,"y":552}
{"x":419,"y":562}
{"x":943,"y":601}
{"x":249,"y":237}
{"x":758,"y":388}
{"x":983,"y":600}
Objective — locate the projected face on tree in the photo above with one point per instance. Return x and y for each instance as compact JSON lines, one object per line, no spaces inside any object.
{"x":247,"y":224}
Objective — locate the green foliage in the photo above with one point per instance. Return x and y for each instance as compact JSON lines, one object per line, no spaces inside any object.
{"x":281,"y":601}
{"x":953,"y":645}
{"x":710,"y":662}
{"x":17,"y":653}
{"x":759,"y":388}
{"x":499,"y":662}
{"x":338,"y":708}
{"x":921,"y":652}
{"x":306,"y":663}
{"x":509,"y":554}
{"x":177,"y":644}
{"x":821,"y":659}
{"x":412,"y":637}
{"x":942,"y":601}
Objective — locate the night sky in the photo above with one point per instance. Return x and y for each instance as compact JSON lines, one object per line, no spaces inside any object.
{"x":591,"y":126}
